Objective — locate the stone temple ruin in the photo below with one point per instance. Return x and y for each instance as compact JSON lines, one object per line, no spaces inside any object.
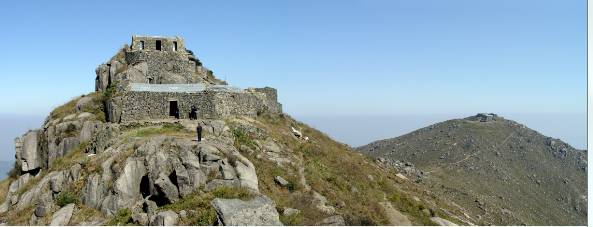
{"x":157,"y":77}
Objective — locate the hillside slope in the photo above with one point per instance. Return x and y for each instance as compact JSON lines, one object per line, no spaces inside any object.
{"x":79,"y":170}
{"x":499,"y":170}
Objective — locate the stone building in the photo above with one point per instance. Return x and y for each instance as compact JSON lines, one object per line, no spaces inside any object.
{"x":156,"y":77}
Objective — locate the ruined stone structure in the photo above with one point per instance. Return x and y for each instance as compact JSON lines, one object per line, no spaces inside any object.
{"x":157,"y":77}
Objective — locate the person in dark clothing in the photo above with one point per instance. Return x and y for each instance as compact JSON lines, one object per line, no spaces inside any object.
{"x":177,"y":114}
{"x":193,"y":115}
{"x":199,"y":130}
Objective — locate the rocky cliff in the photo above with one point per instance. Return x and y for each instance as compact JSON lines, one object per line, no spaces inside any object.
{"x":268,"y":170}
{"x":502,"y":172}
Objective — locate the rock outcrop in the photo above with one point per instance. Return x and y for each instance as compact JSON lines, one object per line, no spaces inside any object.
{"x":257,"y":211}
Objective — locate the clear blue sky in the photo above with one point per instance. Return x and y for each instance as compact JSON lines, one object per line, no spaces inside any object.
{"x":324,"y":57}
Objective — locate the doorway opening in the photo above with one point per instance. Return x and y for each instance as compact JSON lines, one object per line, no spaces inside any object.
{"x":173,"y":109}
{"x":158,"y":45}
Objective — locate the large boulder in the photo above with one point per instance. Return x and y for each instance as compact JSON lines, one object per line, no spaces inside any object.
{"x":167,"y":188}
{"x":88,"y":129}
{"x":93,"y":191}
{"x":165,"y":218}
{"x":27,"y":151}
{"x":102,"y":80}
{"x":127,"y":186}
{"x":245,"y":172}
{"x":258,"y":211}
{"x":62,"y":216}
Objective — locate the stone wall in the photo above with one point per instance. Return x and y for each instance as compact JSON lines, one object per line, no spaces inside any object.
{"x":211,"y":104}
{"x":164,"y":67}
{"x":167,"y":43}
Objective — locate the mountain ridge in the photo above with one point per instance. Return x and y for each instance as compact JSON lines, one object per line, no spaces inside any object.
{"x":464,"y":158}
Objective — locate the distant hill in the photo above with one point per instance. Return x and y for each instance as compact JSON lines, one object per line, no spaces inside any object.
{"x":499,"y":170}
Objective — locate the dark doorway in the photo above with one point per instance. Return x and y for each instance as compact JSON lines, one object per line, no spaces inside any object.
{"x":174,"y":45}
{"x":173,"y":109}
{"x":158,"y":45}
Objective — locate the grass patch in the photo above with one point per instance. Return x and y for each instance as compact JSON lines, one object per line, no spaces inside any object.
{"x":292,"y":220}
{"x":4,"y":184}
{"x":65,"y":198}
{"x":95,"y":107}
{"x":169,"y":129}
{"x":232,"y":193}
{"x":69,"y":159}
{"x":122,"y":217}
{"x":200,"y":203}
{"x":241,"y":138}
{"x":415,"y":210}
{"x":64,"y":110}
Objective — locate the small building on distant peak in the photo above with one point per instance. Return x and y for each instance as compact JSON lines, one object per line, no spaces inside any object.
{"x":156,"y":77}
{"x":157,"y":43}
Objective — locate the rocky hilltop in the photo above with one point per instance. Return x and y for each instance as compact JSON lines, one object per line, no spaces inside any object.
{"x":500,"y":171}
{"x":99,"y":161}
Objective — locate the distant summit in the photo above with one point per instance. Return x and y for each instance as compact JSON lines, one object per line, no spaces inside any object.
{"x":501,"y":171}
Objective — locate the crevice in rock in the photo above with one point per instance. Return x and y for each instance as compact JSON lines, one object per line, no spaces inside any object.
{"x":160,"y":199}
{"x":173,"y":179}
{"x":33,"y":172}
{"x":145,"y":186}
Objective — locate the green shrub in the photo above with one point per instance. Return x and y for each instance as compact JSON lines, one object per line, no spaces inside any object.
{"x":123,"y":217}
{"x":243,"y":139}
{"x":65,"y":198}
{"x":292,"y":220}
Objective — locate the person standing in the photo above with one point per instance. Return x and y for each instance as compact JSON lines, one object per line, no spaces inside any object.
{"x":199,"y":130}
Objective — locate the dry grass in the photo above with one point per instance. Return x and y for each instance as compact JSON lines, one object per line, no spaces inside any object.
{"x":4,"y":184}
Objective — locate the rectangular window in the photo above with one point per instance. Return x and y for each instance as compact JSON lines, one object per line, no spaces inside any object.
{"x":141,"y":45}
{"x":158,"y":45}
{"x":174,"y":45}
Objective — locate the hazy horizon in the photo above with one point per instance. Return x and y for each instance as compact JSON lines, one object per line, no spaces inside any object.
{"x":358,"y":130}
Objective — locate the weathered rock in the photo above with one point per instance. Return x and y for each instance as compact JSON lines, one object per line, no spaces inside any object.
{"x":245,"y":172}
{"x":442,"y":222}
{"x":102,"y":138}
{"x":258,"y":211}
{"x":56,"y":182}
{"x":93,"y":191}
{"x":208,"y":153}
{"x":102,"y":80}
{"x":183,"y":181}
{"x":182,"y":214}
{"x":84,"y":102}
{"x":43,"y":209}
{"x":70,"y":117}
{"x":290,"y":211}
{"x":321,"y":203}
{"x":75,"y":172}
{"x":227,"y":171}
{"x":279,"y":180}
{"x":165,"y":186}
{"x":27,"y":151}
{"x":127,"y":186}
{"x":271,"y":146}
{"x":62,"y":216}
{"x":68,"y":144}
{"x":165,"y":218}
{"x":335,"y":220}
{"x":150,"y":207}
{"x":140,"y":218}
{"x":109,"y":205}
{"x":189,"y":159}
{"x":88,"y":129}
